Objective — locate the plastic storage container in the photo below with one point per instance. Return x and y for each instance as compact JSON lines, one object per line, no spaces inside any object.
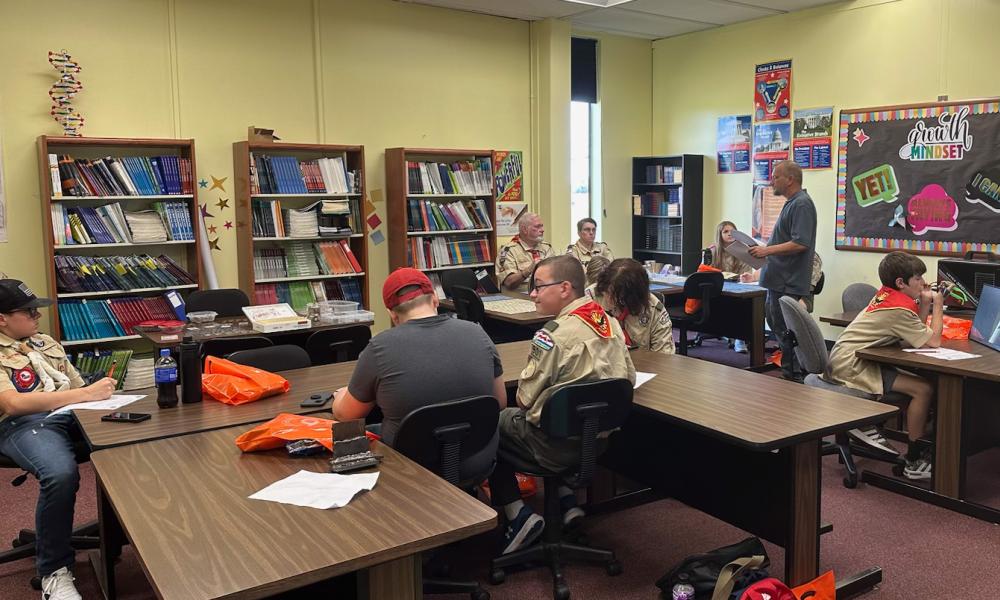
{"x":202,"y":316}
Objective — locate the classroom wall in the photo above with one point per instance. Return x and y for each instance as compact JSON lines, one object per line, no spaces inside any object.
{"x":849,"y":55}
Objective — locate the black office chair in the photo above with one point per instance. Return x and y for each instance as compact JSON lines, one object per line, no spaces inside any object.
{"x":578,"y":410}
{"x":468,"y":304}
{"x":810,"y":348}
{"x":223,"y":347}
{"x":337,"y":345}
{"x":856,"y":296}
{"x":276,"y":358}
{"x":458,"y":277}
{"x":703,"y":286}
{"x":440,"y":437}
{"x":227,"y":302}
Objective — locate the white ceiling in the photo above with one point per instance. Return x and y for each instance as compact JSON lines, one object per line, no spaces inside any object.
{"x":651,"y":19}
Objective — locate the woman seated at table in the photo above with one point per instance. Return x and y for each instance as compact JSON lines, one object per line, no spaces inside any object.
{"x":623,"y":290}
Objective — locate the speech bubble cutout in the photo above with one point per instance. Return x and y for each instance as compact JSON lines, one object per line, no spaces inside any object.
{"x":932,"y":209}
{"x":875,"y":185}
{"x":984,"y":189}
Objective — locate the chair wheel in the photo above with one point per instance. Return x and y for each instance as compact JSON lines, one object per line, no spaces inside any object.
{"x":36,"y":583}
{"x":851,"y":481}
{"x":497,"y":576}
{"x":560,"y":591}
{"x":614,"y":568}
{"x":480,"y":594}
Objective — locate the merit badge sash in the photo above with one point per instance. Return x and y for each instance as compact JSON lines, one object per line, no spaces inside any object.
{"x":594,"y":316}
{"x":888,"y":297}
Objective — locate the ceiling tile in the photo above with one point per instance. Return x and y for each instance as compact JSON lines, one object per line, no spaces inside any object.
{"x":788,"y":5}
{"x":518,"y":9}
{"x":717,"y":12}
{"x":643,"y":24}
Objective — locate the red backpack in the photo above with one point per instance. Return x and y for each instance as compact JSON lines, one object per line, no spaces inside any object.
{"x":768,"y":589}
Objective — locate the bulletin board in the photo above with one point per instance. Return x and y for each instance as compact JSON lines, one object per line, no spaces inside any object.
{"x":922,"y":178}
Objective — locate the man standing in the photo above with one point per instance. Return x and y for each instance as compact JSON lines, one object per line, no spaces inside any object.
{"x":517,"y":258}
{"x":35,"y":378}
{"x":581,"y":344}
{"x":426,"y":358}
{"x":585,"y":247}
{"x":789,"y":254}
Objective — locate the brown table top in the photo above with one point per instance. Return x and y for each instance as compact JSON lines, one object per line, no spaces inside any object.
{"x":986,"y":367}
{"x":239,"y":327}
{"x":843,"y":319}
{"x":526,"y":318}
{"x":729,"y":288}
{"x":184,"y":505}
{"x":749,"y":409}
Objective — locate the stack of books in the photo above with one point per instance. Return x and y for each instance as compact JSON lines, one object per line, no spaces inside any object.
{"x":428,"y":253}
{"x":89,"y":225}
{"x":664,"y":174}
{"x":78,"y":274}
{"x":301,"y":293}
{"x":463,"y":177}
{"x":426,"y":215}
{"x":288,"y":175}
{"x":177,"y":219}
{"x":94,"y":364}
{"x":120,"y":176}
{"x":333,"y":218}
{"x":113,"y":317}
{"x":139,"y":375}
{"x":660,"y":204}
{"x":302,"y":259}
{"x":146,"y":226}
{"x":267,"y":221}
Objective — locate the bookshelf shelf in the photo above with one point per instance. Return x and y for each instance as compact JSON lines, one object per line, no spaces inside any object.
{"x":122,"y":245}
{"x":450,"y":232}
{"x":256,"y":168}
{"x":126,"y":292}
{"x":465,"y":266}
{"x":102,"y":341}
{"x":448,"y":195}
{"x":139,"y":197}
{"x":655,"y":236}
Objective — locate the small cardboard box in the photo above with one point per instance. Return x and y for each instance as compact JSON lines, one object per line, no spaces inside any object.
{"x":272,"y":318}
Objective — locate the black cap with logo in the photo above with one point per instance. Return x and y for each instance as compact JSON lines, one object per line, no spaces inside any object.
{"x":15,"y":295}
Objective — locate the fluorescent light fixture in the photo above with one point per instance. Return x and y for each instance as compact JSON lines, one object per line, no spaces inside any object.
{"x":599,"y":3}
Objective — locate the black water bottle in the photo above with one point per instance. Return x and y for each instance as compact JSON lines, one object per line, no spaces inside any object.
{"x":190,"y":370}
{"x":165,"y":375}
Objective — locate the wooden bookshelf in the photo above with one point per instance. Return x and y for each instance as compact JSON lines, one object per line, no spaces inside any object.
{"x":398,"y":197}
{"x":246,"y":194}
{"x":183,"y":252}
{"x":673,"y":238}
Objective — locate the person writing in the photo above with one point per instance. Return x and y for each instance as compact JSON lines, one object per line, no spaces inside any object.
{"x":623,"y":290}
{"x":517,"y":258}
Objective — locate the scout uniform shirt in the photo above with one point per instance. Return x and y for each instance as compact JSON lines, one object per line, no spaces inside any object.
{"x":515,"y":257}
{"x":581,"y":344}
{"x":20,"y":375}
{"x":890,"y":317}
{"x":651,"y":330}
{"x":583,"y":255}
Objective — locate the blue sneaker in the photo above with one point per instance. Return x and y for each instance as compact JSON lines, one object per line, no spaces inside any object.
{"x":740,"y":346}
{"x":523,"y":530}
{"x":572,"y":514}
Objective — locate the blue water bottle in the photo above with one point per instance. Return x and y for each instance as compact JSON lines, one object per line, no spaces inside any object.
{"x":165,"y":375}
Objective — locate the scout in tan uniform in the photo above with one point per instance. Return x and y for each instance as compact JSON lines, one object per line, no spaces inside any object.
{"x":517,"y":258}
{"x":581,"y":344}
{"x":585,"y":247}
{"x":893,"y":316}
{"x":35,"y":378}
{"x":623,"y":290}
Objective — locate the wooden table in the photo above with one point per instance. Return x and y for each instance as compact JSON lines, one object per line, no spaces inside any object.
{"x":741,"y":446}
{"x":526,"y":319}
{"x":240,"y":328}
{"x":843,"y":319}
{"x":182,"y":503}
{"x":954,"y":423}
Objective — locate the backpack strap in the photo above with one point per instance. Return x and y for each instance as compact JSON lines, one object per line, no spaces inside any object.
{"x":731,"y":572}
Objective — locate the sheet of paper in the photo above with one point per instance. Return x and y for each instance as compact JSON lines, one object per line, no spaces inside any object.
{"x":739,"y":236}
{"x":942,"y":353}
{"x":115,"y":402}
{"x":317,"y":490}
{"x":641,"y":378}
{"x":742,"y":252}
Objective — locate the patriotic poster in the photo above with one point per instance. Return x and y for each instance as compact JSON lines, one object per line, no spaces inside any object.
{"x":508,"y":176}
{"x":765,"y":210}
{"x":771,"y":143}
{"x":923,"y":178}
{"x":772,"y":91}
{"x":812,"y":138}
{"x":732,"y":144}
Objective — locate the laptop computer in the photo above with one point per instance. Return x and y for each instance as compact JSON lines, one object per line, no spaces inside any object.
{"x":986,"y":325}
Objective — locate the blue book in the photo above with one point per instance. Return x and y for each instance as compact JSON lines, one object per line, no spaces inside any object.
{"x":157,"y":168}
{"x":138,"y":175}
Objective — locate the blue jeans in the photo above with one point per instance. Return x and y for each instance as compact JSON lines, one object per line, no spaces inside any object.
{"x":43,"y":447}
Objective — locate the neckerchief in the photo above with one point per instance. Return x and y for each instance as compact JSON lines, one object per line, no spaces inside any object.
{"x":888,"y":297}
{"x":594,"y":316}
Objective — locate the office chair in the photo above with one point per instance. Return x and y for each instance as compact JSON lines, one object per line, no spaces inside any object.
{"x":337,"y":345}
{"x":223,"y":347}
{"x":441,"y":437}
{"x":228,"y":302}
{"x":703,"y":286}
{"x":468,"y":304}
{"x":810,"y":348}
{"x":274,"y":358}
{"x":577,"y":410}
{"x":458,"y":277}
{"x":857,"y":296}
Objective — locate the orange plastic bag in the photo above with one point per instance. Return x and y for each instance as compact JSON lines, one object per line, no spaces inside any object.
{"x":823,"y":587}
{"x":693,"y":305}
{"x":954,"y":328}
{"x":232,"y":383}
{"x":287,"y":427}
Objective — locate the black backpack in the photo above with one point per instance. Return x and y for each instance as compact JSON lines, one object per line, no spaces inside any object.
{"x":702,"y":570}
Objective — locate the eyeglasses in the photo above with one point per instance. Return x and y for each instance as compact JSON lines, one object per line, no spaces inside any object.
{"x":537,"y":286}
{"x":31,"y":312}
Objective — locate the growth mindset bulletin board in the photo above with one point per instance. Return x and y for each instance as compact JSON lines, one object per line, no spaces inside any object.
{"x":922,"y":178}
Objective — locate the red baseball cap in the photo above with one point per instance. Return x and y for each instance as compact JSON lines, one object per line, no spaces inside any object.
{"x":401,"y":278}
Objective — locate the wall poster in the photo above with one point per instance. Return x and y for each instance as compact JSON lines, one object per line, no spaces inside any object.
{"x":732,"y":144}
{"x":508,"y":175}
{"x":923,"y":178}
{"x":772,"y":91}
{"x":764,"y":211}
{"x":771,"y":142}
{"x":812,"y":138}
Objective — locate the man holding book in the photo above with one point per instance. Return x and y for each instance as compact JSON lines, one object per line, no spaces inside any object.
{"x":516,"y":259}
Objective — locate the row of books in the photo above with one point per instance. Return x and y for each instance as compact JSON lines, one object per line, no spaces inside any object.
{"x":120,"y":176}
{"x":463,"y":177}
{"x":94,"y":364}
{"x":426,"y":215}
{"x":428,"y":253}
{"x":76,"y":274}
{"x":326,"y":218}
{"x":289,"y":175}
{"x":302,"y":259}
{"x":109,"y":224}
{"x":300,"y":293}
{"x":657,"y":204}
{"x":662,"y":235}
{"x":111,"y":317}
{"x":664,"y":174}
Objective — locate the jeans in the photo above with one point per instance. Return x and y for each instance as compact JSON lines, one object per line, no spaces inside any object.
{"x":790,"y":367}
{"x":43,"y":446}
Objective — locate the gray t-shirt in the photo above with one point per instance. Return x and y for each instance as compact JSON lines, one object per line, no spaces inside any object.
{"x":422,"y":362}
{"x":791,"y":273}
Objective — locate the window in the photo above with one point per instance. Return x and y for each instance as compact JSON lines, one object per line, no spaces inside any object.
{"x":585,"y":135}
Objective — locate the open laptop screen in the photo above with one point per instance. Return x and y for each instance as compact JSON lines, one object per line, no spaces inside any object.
{"x":986,"y":325}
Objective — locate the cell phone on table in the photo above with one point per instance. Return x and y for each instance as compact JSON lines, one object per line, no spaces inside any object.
{"x":316,"y":400}
{"x":126,"y":417}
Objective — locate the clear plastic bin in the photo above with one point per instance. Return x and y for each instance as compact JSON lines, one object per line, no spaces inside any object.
{"x":202,"y":316}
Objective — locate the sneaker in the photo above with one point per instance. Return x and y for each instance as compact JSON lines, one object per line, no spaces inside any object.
{"x":740,"y":346}
{"x":59,"y":586}
{"x":523,"y":530}
{"x":872,"y":438}
{"x":920,"y":468}
{"x":572,"y":514}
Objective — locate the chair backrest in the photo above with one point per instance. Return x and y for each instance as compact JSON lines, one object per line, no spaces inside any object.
{"x":223,"y":347}
{"x":275,"y":358}
{"x":468,"y":304}
{"x":463,"y":277}
{"x":227,"y":302}
{"x":810,"y":347}
{"x":703,"y":286}
{"x":337,"y":345}
{"x":857,"y":296}
{"x":440,"y":436}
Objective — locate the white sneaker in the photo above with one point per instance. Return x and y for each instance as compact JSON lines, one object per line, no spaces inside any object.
{"x":920,"y":468}
{"x":59,"y":586}
{"x":873,"y":438}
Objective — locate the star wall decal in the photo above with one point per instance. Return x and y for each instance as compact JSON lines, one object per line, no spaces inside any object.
{"x":860,"y":137}
{"x":214,"y":244}
{"x":212,"y":228}
{"x":223,"y":203}
{"x":204,"y":212}
{"x":228,"y":225}
{"x":218,"y":183}
{"x":202,"y":183}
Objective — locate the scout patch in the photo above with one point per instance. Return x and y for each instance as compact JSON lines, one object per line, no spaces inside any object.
{"x":888,"y":297}
{"x":594,"y":316}
{"x":37,"y":342}
{"x":24,"y":380}
{"x":543,"y":340}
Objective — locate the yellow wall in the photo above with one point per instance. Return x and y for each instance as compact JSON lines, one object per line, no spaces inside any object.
{"x":849,"y":55}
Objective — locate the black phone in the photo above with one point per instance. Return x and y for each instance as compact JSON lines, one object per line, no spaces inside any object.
{"x":126,"y":417}
{"x":316,"y":400}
